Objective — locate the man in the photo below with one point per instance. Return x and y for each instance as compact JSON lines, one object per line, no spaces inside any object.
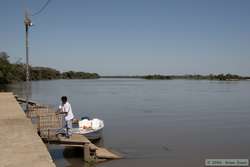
{"x":65,"y":108}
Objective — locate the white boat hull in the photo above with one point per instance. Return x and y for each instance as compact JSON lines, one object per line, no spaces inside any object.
{"x":91,"y":134}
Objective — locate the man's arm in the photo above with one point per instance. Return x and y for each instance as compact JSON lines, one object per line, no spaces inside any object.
{"x":60,"y":111}
{"x":66,"y":110}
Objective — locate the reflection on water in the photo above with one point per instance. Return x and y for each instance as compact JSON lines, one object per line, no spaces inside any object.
{"x":70,"y":156}
{"x":66,"y":156}
{"x":164,"y":123}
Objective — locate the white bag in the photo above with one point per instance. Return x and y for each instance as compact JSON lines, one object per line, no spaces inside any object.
{"x":95,"y":123}
{"x":84,"y":124}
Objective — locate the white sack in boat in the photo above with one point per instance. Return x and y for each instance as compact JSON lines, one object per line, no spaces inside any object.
{"x":96,"y":123}
{"x":85,"y":124}
{"x":93,"y":124}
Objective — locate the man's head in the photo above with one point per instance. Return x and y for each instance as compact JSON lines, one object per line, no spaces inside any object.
{"x":64,"y":99}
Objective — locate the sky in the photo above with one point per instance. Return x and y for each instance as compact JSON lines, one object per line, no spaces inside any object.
{"x":131,"y":37}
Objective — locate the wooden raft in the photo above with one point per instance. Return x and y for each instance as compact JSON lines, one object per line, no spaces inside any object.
{"x":47,"y":123}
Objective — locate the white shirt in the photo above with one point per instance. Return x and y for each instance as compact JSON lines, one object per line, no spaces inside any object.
{"x":67,"y":108}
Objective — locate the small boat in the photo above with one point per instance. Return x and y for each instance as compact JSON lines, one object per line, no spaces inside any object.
{"x":92,"y":131}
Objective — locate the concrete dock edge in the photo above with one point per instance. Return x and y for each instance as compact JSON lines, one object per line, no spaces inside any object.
{"x":20,"y":144}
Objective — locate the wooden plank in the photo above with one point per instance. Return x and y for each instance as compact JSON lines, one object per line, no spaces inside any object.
{"x":86,"y":153}
{"x":74,"y":139}
{"x":22,"y":100}
{"x":103,"y":153}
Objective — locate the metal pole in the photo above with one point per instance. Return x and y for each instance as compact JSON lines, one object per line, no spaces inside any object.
{"x":27,"y":64}
{"x":27,"y":24}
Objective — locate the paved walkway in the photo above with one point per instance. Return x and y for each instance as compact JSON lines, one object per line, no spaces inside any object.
{"x":19,"y":143}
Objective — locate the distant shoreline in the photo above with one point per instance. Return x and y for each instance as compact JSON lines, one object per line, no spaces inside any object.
{"x":219,"y":77}
{"x":10,"y":73}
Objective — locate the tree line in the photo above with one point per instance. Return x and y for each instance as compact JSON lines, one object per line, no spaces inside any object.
{"x":220,"y":77}
{"x":15,"y":72}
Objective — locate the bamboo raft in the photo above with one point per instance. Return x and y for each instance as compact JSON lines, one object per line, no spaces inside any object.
{"x":47,"y":122}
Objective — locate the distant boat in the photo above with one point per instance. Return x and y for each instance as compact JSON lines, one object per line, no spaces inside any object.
{"x":93,"y":131}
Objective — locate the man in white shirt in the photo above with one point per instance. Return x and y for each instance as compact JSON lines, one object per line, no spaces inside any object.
{"x":66,"y":109}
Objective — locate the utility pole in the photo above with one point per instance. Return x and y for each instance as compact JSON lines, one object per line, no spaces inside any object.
{"x":27,"y":25}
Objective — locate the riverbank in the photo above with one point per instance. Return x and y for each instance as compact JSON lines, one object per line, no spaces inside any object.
{"x":15,"y":72}
{"x":10,"y":73}
{"x":19,"y":143}
{"x":218,"y":77}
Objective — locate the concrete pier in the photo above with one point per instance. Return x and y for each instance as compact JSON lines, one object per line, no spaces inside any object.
{"x":19,"y":143}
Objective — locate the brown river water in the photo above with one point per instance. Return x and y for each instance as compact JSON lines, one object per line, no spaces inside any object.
{"x":171,"y":123}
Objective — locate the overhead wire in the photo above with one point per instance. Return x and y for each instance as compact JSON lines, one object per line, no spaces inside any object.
{"x":41,"y":9}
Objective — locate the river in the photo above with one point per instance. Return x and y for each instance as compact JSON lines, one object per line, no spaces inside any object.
{"x":155,"y":123}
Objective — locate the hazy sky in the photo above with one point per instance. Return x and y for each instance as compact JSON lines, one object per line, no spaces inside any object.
{"x":129,"y":37}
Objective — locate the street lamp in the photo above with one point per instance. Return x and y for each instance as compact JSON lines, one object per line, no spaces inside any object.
{"x":27,"y":24}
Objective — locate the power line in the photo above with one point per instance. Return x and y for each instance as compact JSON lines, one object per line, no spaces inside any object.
{"x":42,"y":8}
